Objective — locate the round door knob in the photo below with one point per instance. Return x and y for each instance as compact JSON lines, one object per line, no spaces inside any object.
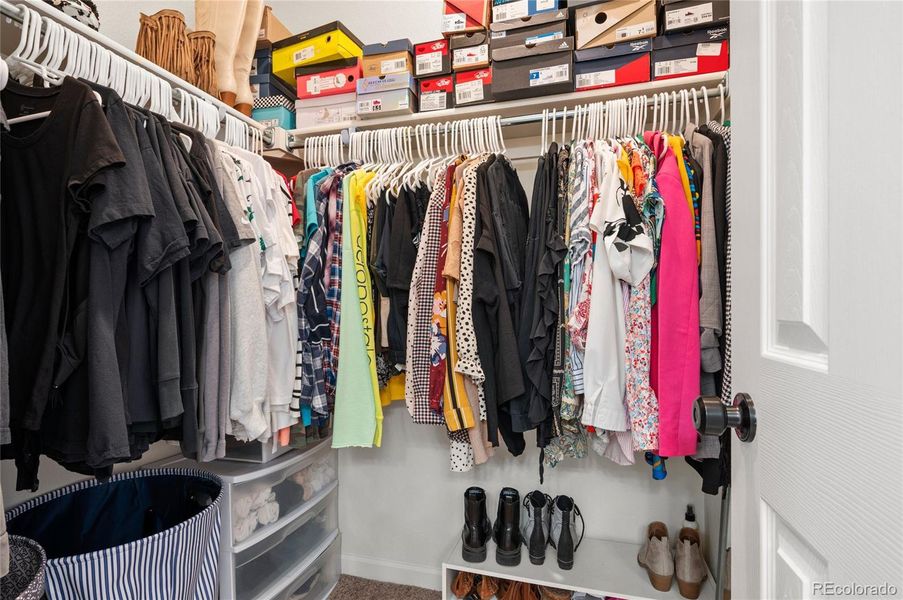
{"x":712,"y":417}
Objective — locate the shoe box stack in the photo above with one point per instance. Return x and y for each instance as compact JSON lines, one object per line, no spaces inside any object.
{"x":490,"y":50}
{"x":274,"y":99}
{"x":387,"y":87}
{"x":496,"y":50}
{"x":322,"y":66}
{"x":694,"y":38}
{"x":614,"y":43}
{"x":532,"y":53}
{"x":620,"y":42}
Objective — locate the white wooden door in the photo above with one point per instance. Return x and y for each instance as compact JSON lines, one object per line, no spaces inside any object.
{"x":816,"y":99}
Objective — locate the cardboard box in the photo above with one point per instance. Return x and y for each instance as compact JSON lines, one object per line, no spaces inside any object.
{"x":611,"y":72}
{"x":432,"y":59}
{"x":322,"y":44}
{"x":459,"y":16}
{"x":275,"y":116}
{"x":613,"y":50}
{"x":387,"y":64}
{"x":325,"y":110}
{"x":473,"y":87}
{"x":387,"y":103}
{"x":271,"y":29}
{"x":692,"y":14}
{"x":385,"y":83}
{"x":437,"y":93}
{"x":507,"y":10}
{"x":527,"y":36}
{"x":693,"y":52}
{"x":499,"y":29}
{"x":269,"y":85}
{"x":328,"y":79}
{"x":540,"y":70}
{"x":614,"y":21}
{"x":386,"y":59}
{"x":469,"y":50}
{"x":262,"y":63}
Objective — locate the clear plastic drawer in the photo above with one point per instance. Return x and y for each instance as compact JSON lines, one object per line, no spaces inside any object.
{"x":281,"y":554}
{"x":317,"y":580}
{"x":281,"y":494}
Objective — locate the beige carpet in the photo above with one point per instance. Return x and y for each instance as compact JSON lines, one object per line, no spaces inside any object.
{"x":357,"y":588}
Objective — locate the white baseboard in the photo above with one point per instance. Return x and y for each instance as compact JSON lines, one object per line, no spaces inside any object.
{"x":393,"y":571}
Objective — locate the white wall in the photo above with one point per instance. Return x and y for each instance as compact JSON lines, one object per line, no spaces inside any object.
{"x":400,"y":507}
{"x":370,"y":20}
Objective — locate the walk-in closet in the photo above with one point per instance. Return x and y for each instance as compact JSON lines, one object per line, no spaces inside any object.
{"x":450,"y":299}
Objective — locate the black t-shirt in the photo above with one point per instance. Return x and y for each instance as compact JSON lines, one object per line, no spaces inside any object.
{"x":91,"y":425}
{"x":53,"y":169}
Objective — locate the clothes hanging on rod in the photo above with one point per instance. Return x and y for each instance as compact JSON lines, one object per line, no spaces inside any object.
{"x":148,"y":276}
{"x":594,"y":317}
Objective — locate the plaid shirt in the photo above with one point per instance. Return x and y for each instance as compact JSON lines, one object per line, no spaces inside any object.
{"x":313,"y":325}
{"x":333,"y":282}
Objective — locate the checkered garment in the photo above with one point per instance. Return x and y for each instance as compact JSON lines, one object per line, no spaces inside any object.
{"x":313,"y":326}
{"x":332,"y":186}
{"x":725,"y":133}
{"x":420,"y":310}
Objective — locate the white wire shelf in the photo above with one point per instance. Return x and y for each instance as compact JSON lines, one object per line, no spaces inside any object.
{"x":517,"y":112}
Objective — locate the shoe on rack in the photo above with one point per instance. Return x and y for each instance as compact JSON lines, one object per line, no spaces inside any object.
{"x":655,"y":556}
{"x":534,"y":523}
{"x":689,"y":565}
{"x":477,"y":527}
{"x":506,"y":533}
{"x":563,"y":530}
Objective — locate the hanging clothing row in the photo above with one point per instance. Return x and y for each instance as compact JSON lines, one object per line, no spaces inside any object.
{"x":593,"y":313}
{"x":148,"y":284}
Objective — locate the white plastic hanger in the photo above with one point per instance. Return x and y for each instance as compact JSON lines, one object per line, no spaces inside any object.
{"x":695,"y":108}
{"x":721,"y":96}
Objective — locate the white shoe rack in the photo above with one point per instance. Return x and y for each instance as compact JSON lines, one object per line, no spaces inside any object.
{"x":601,"y":568}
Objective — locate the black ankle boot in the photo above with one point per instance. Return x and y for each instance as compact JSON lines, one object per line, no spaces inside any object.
{"x":534,"y":525}
{"x":507,"y":534}
{"x":563,"y":530}
{"x":477,"y":527}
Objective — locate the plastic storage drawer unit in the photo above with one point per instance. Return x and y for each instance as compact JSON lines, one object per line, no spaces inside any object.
{"x":285,"y":552}
{"x":276,"y":517}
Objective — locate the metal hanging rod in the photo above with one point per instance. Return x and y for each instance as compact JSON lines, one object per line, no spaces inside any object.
{"x":12,"y":12}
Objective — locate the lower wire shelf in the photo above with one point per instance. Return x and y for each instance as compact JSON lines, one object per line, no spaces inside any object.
{"x":601,"y":568}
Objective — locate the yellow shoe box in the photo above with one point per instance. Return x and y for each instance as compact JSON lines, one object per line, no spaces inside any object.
{"x":321,"y":44}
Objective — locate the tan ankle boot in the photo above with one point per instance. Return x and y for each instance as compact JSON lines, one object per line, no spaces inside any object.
{"x":655,"y":556}
{"x":689,"y":566}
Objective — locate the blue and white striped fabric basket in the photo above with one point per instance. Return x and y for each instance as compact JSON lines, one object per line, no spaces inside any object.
{"x":178,"y":561}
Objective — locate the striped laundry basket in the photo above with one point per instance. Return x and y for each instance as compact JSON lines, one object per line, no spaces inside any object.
{"x":150,"y":534}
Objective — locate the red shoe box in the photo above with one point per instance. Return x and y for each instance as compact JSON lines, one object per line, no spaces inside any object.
{"x":473,"y":87}
{"x":694,"y":52}
{"x":432,"y":59}
{"x":437,"y":93}
{"x":328,"y":79}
